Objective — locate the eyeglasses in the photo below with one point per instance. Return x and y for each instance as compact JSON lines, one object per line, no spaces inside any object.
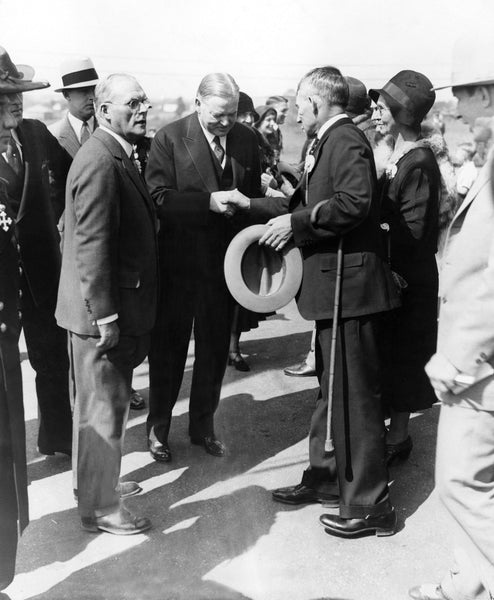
{"x":380,"y":108}
{"x":134,"y":104}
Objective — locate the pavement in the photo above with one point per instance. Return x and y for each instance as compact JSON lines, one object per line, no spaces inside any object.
{"x":217,"y":534}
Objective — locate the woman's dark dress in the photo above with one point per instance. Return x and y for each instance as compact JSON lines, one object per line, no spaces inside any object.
{"x":410,"y":202}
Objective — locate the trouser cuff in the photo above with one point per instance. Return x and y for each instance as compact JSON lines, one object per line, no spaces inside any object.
{"x":352,"y":511}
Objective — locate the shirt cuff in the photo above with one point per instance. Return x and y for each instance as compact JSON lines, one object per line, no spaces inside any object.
{"x":106,"y":320}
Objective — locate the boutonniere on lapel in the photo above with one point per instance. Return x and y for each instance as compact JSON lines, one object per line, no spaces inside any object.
{"x":391,"y":171}
{"x":310,"y":161}
{"x":136,"y":161}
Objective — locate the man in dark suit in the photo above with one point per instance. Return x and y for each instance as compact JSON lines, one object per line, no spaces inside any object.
{"x":107,"y":295}
{"x":193,"y":164}
{"x":35,"y":168}
{"x":13,"y":477}
{"x":335,"y":201}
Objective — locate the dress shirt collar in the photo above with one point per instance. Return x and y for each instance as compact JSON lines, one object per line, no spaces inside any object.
{"x":127,"y":146}
{"x":210,"y":136}
{"x":76,"y":124}
{"x":15,"y":136}
{"x":330,"y":122}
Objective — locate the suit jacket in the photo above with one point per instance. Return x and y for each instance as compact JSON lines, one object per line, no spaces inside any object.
{"x":181,"y":175}
{"x":109,"y":257}
{"x":343,"y":173}
{"x":466,"y":315}
{"x":65,"y":134}
{"x":41,"y":195}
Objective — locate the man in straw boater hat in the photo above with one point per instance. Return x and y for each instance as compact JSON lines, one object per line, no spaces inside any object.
{"x":13,"y":489}
{"x":462,"y":370}
{"x":333,"y":217}
{"x":35,"y":169}
{"x":79,"y":79}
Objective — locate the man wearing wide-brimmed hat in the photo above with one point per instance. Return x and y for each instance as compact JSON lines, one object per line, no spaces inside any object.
{"x":13,"y":478}
{"x":79,"y":79}
{"x":462,"y":371}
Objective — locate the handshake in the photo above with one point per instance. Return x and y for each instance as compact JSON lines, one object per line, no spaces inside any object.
{"x":227,"y":203}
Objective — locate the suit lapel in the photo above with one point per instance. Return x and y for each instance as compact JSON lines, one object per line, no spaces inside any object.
{"x":235,"y":151}
{"x":70,"y":141}
{"x":198,"y":148}
{"x":483,"y":179}
{"x":323,"y":140}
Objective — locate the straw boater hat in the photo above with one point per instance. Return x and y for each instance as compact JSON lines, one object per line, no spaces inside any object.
{"x":15,"y":79}
{"x":77,"y":73}
{"x":258,"y":277}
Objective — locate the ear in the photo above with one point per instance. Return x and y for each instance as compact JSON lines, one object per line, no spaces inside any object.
{"x":197,"y":103}
{"x":485,"y":96}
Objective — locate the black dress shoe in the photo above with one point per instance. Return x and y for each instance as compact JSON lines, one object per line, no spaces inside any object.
{"x":428,"y":591}
{"x":50,"y":451}
{"x":300,"y":370}
{"x":236,"y":360}
{"x":212,"y":445}
{"x":303,"y":494}
{"x":398,"y":452}
{"x":160,"y":451}
{"x":136,"y":400}
{"x":381,"y":525}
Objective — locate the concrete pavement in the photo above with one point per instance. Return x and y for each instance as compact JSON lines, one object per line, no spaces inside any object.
{"x":217,"y":534}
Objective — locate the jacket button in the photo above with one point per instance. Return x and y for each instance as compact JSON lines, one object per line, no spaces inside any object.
{"x":20,"y":293}
{"x":20,"y":270}
{"x":18,"y":248}
{"x":3,"y":327}
{"x":443,"y":300}
{"x":2,"y":305}
{"x":19,"y":312}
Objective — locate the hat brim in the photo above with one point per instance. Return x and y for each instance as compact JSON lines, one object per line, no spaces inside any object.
{"x":463,"y":83}
{"x":259,"y":278}
{"x":16,"y":86}
{"x":81,"y":84}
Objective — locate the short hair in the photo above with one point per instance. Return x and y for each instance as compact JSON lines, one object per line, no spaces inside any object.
{"x":276,"y":100}
{"x":104,"y":88}
{"x":328,"y":83}
{"x":221,"y":85}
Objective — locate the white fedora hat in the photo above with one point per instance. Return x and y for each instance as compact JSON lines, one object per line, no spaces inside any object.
{"x":473,"y":60}
{"x":77,"y":73}
{"x":258,"y":277}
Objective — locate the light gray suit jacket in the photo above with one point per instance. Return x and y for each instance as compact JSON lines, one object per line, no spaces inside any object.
{"x":66,"y":136}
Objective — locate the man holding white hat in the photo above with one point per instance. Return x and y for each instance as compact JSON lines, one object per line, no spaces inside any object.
{"x":79,"y":79}
{"x":462,"y":371}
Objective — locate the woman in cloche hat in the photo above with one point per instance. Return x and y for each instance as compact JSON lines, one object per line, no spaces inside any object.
{"x":410,"y":191}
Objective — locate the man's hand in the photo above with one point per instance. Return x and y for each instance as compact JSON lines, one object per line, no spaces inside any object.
{"x":218,"y":203}
{"x":442,"y":374}
{"x":238,"y":201}
{"x":110,"y":334}
{"x":267,"y":180}
{"x":279,"y":233}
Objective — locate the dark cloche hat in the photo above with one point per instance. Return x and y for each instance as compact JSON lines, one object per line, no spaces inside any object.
{"x":13,"y":81}
{"x":358,"y":99}
{"x":409,"y":95}
{"x":246,"y":105}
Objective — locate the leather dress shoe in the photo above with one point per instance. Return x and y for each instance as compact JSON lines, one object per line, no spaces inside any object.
{"x":160,"y":451}
{"x":303,"y":494}
{"x":136,"y":400}
{"x":125,"y":489}
{"x":300,"y":370}
{"x":50,"y":451}
{"x":381,"y":525}
{"x":121,"y":522}
{"x":212,"y":445}
{"x":236,"y":360}
{"x":427,"y":591}
{"x":398,"y":452}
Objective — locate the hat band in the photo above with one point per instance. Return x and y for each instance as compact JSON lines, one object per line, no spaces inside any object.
{"x":399,"y":95}
{"x":79,"y":77}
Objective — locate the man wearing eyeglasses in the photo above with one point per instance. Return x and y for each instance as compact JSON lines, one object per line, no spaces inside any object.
{"x":107,"y":295}
{"x":193,"y":165}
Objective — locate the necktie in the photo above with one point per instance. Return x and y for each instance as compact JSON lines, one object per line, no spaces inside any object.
{"x":14,"y":157}
{"x":85,"y":133}
{"x":218,"y":149}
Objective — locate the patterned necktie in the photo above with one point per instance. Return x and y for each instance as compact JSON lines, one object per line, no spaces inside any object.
{"x":85,"y":133}
{"x":14,"y":157}
{"x":218,"y":149}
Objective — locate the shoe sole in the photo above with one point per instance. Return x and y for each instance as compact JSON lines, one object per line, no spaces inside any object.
{"x":103,"y":529}
{"x":322,"y":501}
{"x":159,"y":459}
{"x":378,"y":531}
{"x":299,"y":374}
{"x":134,"y":493}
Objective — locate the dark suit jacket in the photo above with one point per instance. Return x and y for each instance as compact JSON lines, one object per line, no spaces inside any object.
{"x":181,"y":176}
{"x":343,"y":173}
{"x":41,"y":195}
{"x":109,"y":258}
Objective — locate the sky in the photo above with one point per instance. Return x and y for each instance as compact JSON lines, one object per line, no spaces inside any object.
{"x":267,"y":45}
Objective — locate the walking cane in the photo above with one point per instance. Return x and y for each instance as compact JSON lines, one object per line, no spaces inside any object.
{"x":328,"y":444}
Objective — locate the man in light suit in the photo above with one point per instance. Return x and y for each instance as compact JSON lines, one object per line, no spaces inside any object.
{"x":107,"y":295}
{"x":462,"y":371}
{"x":336,"y":203}
{"x":79,"y":78}
{"x":193,"y":164}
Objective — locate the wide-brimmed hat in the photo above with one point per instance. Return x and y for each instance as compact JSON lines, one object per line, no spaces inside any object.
{"x":246,"y":105}
{"x":258,"y":277}
{"x":77,"y":73}
{"x":409,"y":95}
{"x":473,"y":61}
{"x":358,"y":99}
{"x":14,"y":81}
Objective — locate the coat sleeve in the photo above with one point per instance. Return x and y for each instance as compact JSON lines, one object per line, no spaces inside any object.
{"x":173,"y":206}
{"x":94,"y":188}
{"x":349,"y":167}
